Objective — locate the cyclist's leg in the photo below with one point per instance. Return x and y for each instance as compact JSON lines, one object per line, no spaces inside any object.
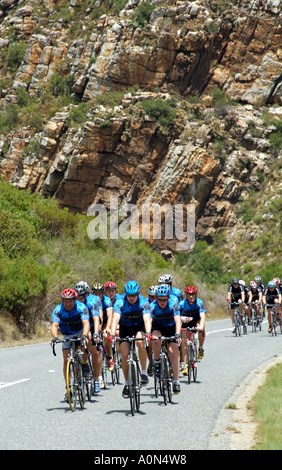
{"x":173,"y":351}
{"x":142,"y":357}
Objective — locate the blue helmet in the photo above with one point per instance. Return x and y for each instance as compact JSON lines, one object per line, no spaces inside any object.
{"x":132,"y":288}
{"x":271,"y":284}
{"x":163,"y":290}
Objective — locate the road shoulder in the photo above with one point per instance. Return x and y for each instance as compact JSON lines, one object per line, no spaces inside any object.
{"x":235,"y":428}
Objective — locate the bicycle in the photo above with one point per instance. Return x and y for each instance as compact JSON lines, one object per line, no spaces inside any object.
{"x":275,"y":321}
{"x":192,"y":354}
{"x":256,"y":320}
{"x":75,"y":381}
{"x":163,"y":380}
{"x":239,"y":321}
{"x":134,"y":374}
{"x":100,"y":347}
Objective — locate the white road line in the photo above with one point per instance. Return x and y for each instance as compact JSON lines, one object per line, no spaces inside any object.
{"x":9,"y":384}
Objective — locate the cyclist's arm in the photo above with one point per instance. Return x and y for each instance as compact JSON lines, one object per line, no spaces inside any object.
{"x":178,"y":324}
{"x":96,"y":321}
{"x":85,"y":327}
{"x":147,"y":322}
{"x":54,"y":329}
{"x":115,"y":323}
{"x":110,"y":318}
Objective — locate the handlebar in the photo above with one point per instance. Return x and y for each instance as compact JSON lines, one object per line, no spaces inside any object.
{"x":68,"y":340}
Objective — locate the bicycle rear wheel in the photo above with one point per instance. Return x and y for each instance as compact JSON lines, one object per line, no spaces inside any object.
{"x":90,"y":381}
{"x":72,"y":385}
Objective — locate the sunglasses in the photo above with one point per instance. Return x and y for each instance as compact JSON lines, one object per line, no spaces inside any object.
{"x":162,"y":300}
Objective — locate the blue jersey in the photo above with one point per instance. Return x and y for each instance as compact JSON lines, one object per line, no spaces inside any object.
{"x":70,"y":323}
{"x":177,"y":293}
{"x":192,"y":310}
{"x":106,"y":304}
{"x":165,"y":317}
{"x":94,"y":305}
{"x":131,"y":315}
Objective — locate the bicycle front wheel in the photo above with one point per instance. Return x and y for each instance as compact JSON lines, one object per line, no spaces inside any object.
{"x":72,"y":385}
{"x":132,"y":379}
{"x":164,"y":379}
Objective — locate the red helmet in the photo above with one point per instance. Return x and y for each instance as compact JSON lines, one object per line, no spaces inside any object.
{"x":110,"y":285}
{"x":277,"y":281}
{"x":68,"y":294}
{"x":191,"y":290}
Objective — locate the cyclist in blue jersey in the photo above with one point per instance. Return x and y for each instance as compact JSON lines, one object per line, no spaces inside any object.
{"x":94,"y":305}
{"x":72,"y":318}
{"x":132,"y":313}
{"x":167,"y":279}
{"x":106,"y":321}
{"x":193,"y":315}
{"x":166,"y":322}
{"x":151,"y":296}
{"x":111,"y":291}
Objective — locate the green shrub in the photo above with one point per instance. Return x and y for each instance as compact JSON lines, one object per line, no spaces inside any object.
{"x":161,"y":110}
{"x":142,"y":14}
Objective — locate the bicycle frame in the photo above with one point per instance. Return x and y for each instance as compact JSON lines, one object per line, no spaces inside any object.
{"x":163,"y":383}
{"x":274,"y":321}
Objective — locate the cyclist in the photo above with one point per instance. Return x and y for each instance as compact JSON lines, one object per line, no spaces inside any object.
{"x":166,"y":322}
{"x":256,"y":297}
{"x":236,"y":294}
{"x":248,"y":299}
{"x":151,"y":296}
{"x":94,"y":305}
{"x":278,"y":283}
{"x":106,"y":320}
{"x":72,"y":318}
{"x":260,"y":284}
{"x":111,"y":291}
{"x":132,"y":313}
{"x":167,"y":279}
{"x":193,"y":315}
{"x":272,"y":296}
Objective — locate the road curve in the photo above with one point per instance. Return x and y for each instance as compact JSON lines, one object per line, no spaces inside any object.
{"x":34,"y":416}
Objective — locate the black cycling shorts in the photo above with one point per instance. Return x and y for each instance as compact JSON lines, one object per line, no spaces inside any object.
{"x":165,"y":330}
{"x":125,"y":330}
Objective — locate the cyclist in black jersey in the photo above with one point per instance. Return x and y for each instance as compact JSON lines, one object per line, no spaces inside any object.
{"x":272,"y":296}
{"x":236,"y":294}
{"x":256,"y":296}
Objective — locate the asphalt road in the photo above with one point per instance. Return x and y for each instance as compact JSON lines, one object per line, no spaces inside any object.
{"x":35,"y":417}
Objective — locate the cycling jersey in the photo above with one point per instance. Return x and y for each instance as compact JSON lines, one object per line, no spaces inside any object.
{"x":106,"y":304}
{"x":94,"y":305}
{"x":247,"y":290}
{"x":236,"y":291}
{"x":192,"y":310}
{"x":131,"y":315}
{"x":164,"y":317}
{"x":177,"y":292}
{"x":271,"y":295}
{"x":70,"y":322}
{"x":255,"y":293}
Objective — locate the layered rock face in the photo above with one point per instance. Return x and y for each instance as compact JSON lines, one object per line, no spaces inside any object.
{"x":213,"y":152}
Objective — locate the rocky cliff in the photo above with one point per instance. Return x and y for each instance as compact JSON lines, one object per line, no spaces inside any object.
{"x":180,"y":100}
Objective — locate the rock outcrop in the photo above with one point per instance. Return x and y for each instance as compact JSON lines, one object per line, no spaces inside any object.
{"x":219,"y":69}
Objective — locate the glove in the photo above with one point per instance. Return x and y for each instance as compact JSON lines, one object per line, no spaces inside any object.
{"x":149,"y":336}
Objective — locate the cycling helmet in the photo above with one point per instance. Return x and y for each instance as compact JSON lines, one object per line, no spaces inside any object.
{"x":152,"y":290}
{"x":82,"y":288}
{"x":98,"y":287}
{"x":162,"y":290}
{"x":191,"y":290}
{"x":68,"y":294}
{"x":235,"y":280}
{"x":253,"y":284}
{"x":165,"y":279}
{"x":258,"y":279}
{"x":241,"y":282}
{"x":271,"y":284}
{"x":276,"y":280}
{"x":132,"y":288}
{"x":110,"y":285}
